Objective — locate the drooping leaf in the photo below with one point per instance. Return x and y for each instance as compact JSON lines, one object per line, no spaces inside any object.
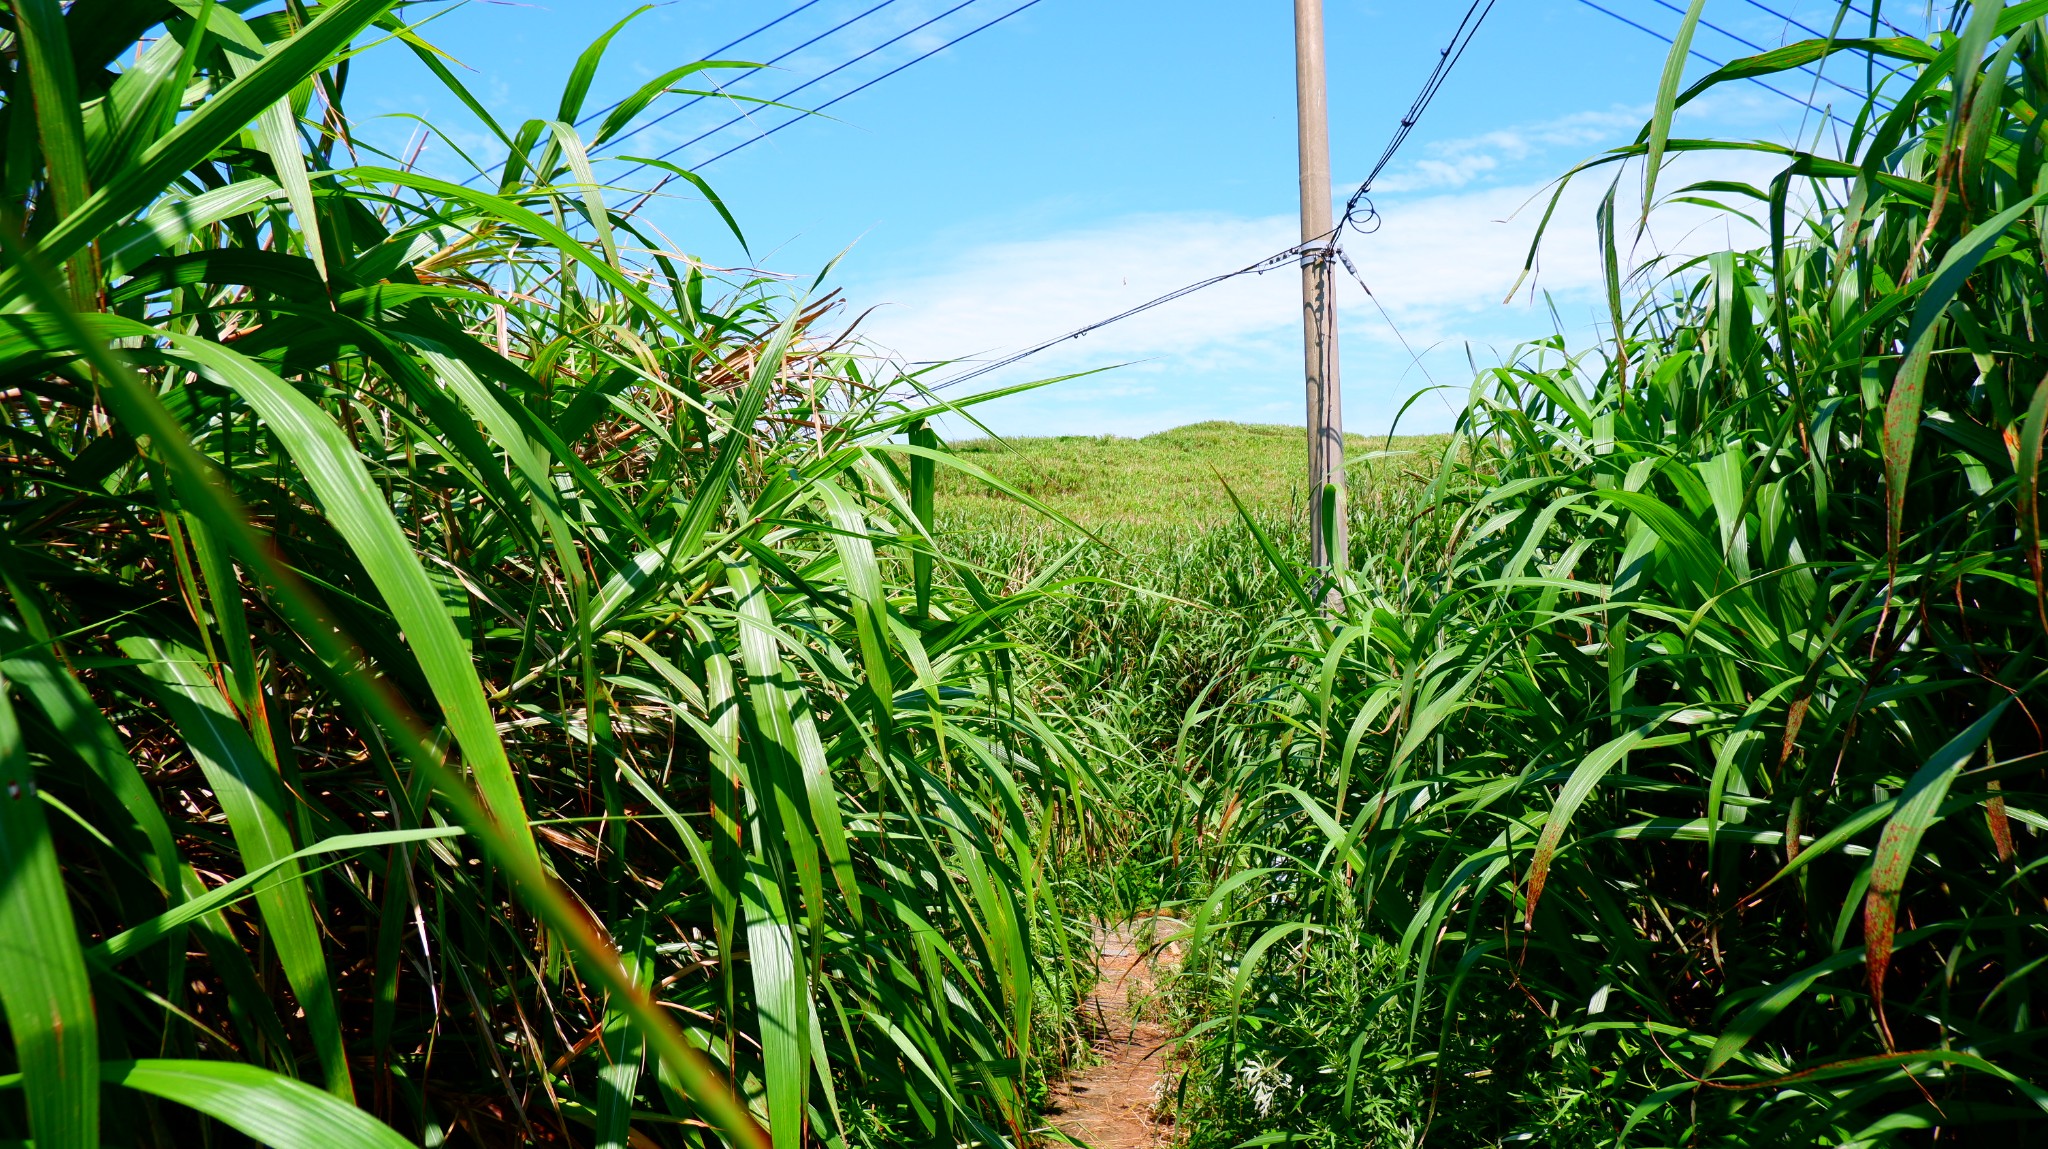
{"x":1659,"y":129}
{"x":270,"y":1108}
{"x":1916,"y":813}
{"x":43,"y":987}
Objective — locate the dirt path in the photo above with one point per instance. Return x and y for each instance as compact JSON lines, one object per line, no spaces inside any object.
{"x":1111,"y":1105}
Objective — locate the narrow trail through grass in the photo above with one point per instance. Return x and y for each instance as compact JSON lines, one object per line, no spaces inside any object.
{"x":1117,"y":1103}
{"x":1154,"y":628}
{"x":471,"y":676}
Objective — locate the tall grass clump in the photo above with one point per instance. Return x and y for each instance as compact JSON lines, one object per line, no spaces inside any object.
{"x":470,"y":677}
{"x":1693,"y":792}
{"x":1149,"y":646}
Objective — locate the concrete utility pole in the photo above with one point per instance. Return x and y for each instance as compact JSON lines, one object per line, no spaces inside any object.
{"x":1318,"y":302}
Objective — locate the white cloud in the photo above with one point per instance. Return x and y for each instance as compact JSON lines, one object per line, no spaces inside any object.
{"x":1445,"y":255}
{"x":1456,"y":163}
{"x":995,"y":297}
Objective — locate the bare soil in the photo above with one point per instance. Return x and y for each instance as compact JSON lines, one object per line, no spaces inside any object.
{"x":1112,"y":1105}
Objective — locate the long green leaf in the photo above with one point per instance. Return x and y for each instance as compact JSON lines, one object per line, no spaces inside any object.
{"x":43,"y":984}
{"x":1752,"y":1020}
{"x":1918,"y":805}
{"x":1584,"y":777}
{"x":277,"y":131}
{"x":201,"y":490}
{"x":259,"y":815}
{"x":215,"y":122}
{"x":145,"y":934}
{"x":1659,"y":129}
{"x":360,"y":513}
{"x":1902,"y":409}
{"x":45,"y":48}
{"x":77,"y":719}
{"x":272,"y":1109}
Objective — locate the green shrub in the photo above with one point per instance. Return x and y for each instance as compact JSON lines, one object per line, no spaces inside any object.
{"x":1698,"y":774}
{"x":469,"y":659}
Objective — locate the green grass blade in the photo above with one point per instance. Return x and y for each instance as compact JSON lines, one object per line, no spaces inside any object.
{"x":136,"y":403}
{"x":1805,"y":53}
{"x":270,"y":1108}
{"x":73,"y":714}
{"x":578,"y":85}
{"x":782,"y":1003}
{"x":703,"y":186}
{"x":277,"y":132}
{"x":1584,"y":777}
{"x":142,"y":935}
{"x":196,"y":136}
{"x":1752,"y":1020}
{"x":45,"y":49}
{"x":508,"y":211}
{"x":259,"y":815}
{"x":1902,"y":409}
{"x":865,"y":592}
{"x":2033,"y":428}
{"x":588,"y":188}
{"x":428,"y":56}
{"x":1248,"y":964}
{"x":1280,"y":565}
{"x":176,"y":218}
{"x":1917,"y":810}
{"x":663,"y":84}
{"x":43,"y":985}
{"x":923,"y":487}
{"x":360,"y":513}
{"x":624,"y":1050}
{"x":1658,"y":131}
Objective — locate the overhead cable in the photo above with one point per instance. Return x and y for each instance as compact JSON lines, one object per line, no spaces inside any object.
{"x":1817,"y":33}
{"x":1756,"y":47}
{"x":817,"y":79}
{"x":1358,"y":214}
{"x":1872,"y":15}
{"x":1446,"y":60}
{"x":714,"y":54}
{"x":729,"y":45}
{"x":1790,"y":22}
{"x":871,"y":83}
{"x":1276,"y":260}
{"x":1716,"y":63}
{"x":695,"y":100}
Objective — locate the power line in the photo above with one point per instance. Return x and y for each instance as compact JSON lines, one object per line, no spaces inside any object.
{"x":1817,"y":33}
{"x":1716,"y":63}
{"x":1446,"y":60}
{"x":1874,"y":16}
{"x":870,"y":83}
{"x":694,"y":101}
{"x":975,"y":31}
{"x":1753,"y":45}
{"x":1359,"y":214}
{"x":715,"y":53}
{"x":1806,"y":28}
{"x":825,"y":76}
{"x":1276,"y":260}
{"x":1324,"y":247}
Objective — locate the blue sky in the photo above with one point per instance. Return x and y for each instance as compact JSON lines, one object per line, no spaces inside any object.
{"x":1085,"y":155}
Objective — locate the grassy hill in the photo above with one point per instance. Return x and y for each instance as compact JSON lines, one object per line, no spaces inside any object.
{"x":1174,"y":479}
